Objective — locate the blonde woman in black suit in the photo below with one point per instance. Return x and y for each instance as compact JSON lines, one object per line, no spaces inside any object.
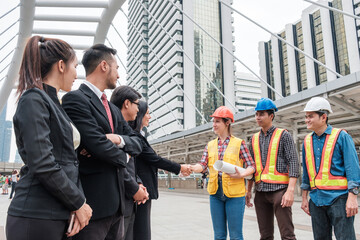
{"x":49,"y":190}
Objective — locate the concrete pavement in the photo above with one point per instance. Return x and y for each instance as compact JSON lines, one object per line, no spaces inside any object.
{"x":185,"y":214}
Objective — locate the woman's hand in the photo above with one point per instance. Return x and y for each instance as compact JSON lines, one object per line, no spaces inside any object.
{"x":75,"y":228}
{"x":83,"y":214}
{"x":237,"y":174}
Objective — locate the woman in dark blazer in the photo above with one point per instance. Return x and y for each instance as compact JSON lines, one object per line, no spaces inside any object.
{"x":49,"y":190}
{"x":146,"y":165}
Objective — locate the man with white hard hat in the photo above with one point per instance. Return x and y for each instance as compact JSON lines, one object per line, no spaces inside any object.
{"x":331,"y":173}
{"x":277,"y":169}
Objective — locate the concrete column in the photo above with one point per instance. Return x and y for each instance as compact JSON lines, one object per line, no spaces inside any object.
{"x":189,"y":69}
{"x":228,"y":59}
{"x":263,"y":70}
{"x":276,"y":65}
{"x":351,"y":37}
{"x":328,"y":42}
{"x":308,"y":48}
{"x":291,"y":59}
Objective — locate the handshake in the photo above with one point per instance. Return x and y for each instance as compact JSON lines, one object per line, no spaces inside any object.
{"x":187,"y":169}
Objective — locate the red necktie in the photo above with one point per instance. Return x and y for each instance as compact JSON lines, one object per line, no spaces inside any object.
{"x":108,"y":112}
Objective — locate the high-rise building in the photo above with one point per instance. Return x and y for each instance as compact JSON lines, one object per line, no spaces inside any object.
{"x":5,"y":137}
{"x":325,"y":35}
{"x":164,"y":87}
{"x":247,"y":91}
{"x":17,"y":157}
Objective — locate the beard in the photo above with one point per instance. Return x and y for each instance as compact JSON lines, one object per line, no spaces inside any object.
{"x":110,"y":81}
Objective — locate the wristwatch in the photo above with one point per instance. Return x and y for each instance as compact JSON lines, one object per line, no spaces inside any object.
{"x":354,"y":191}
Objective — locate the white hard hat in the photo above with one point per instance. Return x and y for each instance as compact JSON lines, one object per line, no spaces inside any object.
{"x":317,"y":104}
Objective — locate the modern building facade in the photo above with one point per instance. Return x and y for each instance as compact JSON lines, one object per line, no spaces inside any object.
{"x":325,"y":35}
{"x":5,"y":137}
{"x":247,"y":91}
{"x":175,"y":89}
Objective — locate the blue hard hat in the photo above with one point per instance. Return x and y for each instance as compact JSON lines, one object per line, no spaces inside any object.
{"x":265,"y":104}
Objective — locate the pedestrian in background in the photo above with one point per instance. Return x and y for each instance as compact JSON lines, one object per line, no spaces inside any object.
{"x":14,"y":180}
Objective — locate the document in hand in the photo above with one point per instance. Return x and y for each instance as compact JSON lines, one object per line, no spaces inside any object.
{"x":228,"y":168}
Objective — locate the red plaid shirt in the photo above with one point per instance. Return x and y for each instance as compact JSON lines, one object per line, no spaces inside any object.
{"x":244,"y":154}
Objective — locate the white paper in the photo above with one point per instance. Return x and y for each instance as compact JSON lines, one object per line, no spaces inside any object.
{"x":228,"y":168}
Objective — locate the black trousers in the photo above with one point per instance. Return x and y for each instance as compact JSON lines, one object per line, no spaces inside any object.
{"x":109,"y":228}
{"x":142,"y":224}
{"x":18,"y":228}
{"x":129,"y":226}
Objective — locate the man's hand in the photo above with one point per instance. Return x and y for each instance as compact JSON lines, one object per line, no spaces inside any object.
{"x":305,"y":202}
{"x":351,"y":205}
{"x":141,"y":195}
{"x":288,"y":198}
{"x":83,"y":214}
{"x":247,"y":199}
{"x":185,"y":170}
{"x":114,"y":138}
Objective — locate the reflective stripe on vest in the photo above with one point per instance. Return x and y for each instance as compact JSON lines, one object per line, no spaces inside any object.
{"x":270,"y":173}
{"x":323,"y":179}
{"x":232,"y":187}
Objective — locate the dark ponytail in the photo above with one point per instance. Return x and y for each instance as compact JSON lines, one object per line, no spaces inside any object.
{"x":40,"y":55}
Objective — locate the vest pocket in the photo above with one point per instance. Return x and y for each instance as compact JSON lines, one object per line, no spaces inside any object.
{"x":235,"y":187}
{"x":212,"y":186}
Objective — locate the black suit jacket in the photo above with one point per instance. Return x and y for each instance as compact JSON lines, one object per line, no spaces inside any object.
{"x":131,"y":186}
{"x":49,"y":187}
{"x":147,"y":164}
{"x":102,"y":174}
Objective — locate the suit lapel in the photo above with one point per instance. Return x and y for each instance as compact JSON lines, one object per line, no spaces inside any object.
{"x":95,"y":101}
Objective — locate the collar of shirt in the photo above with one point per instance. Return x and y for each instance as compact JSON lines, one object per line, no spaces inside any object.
{"x":93,"y":88}
{"x":327,"y":131}
{"x":268,"y":132}
{"x":227,"y":139}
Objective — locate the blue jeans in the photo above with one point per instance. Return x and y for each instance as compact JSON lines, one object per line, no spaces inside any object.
{"x":324,"y":218}
{"x":229,"y":211}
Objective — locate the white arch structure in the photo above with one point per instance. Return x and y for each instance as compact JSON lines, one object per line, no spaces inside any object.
{"x":26,"y":29}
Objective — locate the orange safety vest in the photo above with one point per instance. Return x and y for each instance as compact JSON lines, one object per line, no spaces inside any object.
{"x":323,"y":179}
{"x":232,"y":187}
{"x":270,"y":174}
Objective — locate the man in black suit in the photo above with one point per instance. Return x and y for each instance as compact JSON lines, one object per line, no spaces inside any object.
{"x":123,"y":97}
{"x":102,"y":169}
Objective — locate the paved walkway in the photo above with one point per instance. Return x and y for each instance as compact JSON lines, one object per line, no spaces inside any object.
{"x":185,"y":214}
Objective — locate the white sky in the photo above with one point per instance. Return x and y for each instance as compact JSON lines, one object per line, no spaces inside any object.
{"x":272,"y":14}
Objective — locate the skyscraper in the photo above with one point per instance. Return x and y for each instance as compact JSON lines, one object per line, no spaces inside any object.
{"x":5,"y":137}
{"x":325,"y":35}
{"x":163,"y":86}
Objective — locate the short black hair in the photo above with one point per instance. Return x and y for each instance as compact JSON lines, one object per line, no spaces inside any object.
{"x":136,"y":124}
{"x":320,"y":113}
{"x":94,"y":55}
{"x":121,"y":93}
{"x":271,"y":111}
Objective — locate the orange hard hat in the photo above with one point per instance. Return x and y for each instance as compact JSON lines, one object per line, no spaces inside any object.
{"x":223,"y":112}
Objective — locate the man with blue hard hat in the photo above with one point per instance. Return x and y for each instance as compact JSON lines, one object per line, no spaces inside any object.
{"x":277,"y":169}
